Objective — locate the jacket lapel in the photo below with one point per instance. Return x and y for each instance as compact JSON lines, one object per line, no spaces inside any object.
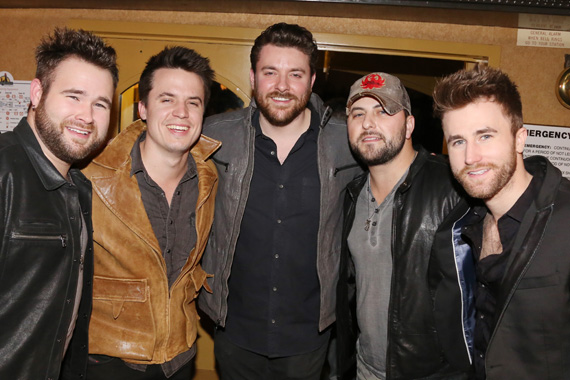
{"x":120,"y":193}
{"x":526,"y":244}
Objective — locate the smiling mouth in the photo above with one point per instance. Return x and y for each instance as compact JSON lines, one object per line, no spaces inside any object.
{"x":82,"y":132}
{"x":180,"y":128}
{"x":477,"y":172}
{"x":371,"y":138}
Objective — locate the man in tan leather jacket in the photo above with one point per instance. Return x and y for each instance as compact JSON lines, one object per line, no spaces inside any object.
{"x":153,"y":204}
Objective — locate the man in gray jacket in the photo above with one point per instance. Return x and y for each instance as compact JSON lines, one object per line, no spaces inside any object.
{"x":274,"y":249}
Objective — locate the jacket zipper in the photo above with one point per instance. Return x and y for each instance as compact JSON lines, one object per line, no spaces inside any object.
{"x":62,"y":238}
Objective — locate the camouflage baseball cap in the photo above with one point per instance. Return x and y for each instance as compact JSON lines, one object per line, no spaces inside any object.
{"x":385,"y":88}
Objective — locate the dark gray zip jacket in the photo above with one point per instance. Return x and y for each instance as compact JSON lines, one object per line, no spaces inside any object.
{"x":234,"y":162}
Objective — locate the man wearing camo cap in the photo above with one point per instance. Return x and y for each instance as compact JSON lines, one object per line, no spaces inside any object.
{"x":394,"y":213}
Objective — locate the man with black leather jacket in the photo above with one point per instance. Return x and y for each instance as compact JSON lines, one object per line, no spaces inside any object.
{"x":385,"y":318}
{"x":518,"y":232}
{"x":46,"y":257}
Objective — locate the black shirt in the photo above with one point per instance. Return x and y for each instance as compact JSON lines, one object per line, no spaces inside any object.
{"x":274,"y":291}
{"x":491,"y":269}
{"x":173,"y":225}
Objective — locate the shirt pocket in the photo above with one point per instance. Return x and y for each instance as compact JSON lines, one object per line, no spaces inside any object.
{"x":122,"y":323}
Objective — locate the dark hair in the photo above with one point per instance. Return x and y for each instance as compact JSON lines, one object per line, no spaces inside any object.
{"x":286,"y":35}
{"x":482,"y":83}
{"x":177,"y":57}
{"x":66,"y":43}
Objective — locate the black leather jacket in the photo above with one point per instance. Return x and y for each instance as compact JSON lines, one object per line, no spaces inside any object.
{"x":40,"y":255}
{"x":531,"y":338}
{"x":421,"y":204}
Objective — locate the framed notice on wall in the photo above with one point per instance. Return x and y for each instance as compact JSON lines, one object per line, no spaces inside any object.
{"x":550,"y":142}
{"x":14,"y":101}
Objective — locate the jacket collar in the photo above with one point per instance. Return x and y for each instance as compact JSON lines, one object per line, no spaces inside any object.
{"x":531,"y":230}
{"x":117,"y":152}
{"x":356,"y":185}
{"x":551,"y":183}
{"x":49,"y":176}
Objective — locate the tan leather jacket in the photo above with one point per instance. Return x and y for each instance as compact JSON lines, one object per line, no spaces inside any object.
{"x":136,"y":317}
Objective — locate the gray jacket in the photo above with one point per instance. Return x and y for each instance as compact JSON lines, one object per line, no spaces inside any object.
{"x":235,"y":163}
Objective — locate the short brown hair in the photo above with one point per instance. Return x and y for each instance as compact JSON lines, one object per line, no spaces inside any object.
{"x":286,"y":35}
{"x":176,"y":57}
{"x":66,"y":43}
{"x":482,"y":83}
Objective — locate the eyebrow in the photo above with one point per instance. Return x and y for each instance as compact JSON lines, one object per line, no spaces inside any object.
{"x":103,"y":99}
{"x":478,"y":132}
{"x":166,"y":93}
{"x":362,"y":108}
{"x":270,"y":67}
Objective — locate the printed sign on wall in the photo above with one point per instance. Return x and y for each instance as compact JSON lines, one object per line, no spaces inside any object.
{"x":550,"y":142}
{"x":14,"y":101}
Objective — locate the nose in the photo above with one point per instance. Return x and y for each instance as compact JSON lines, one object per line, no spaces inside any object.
{"x":368,"y":121}
{"x":472,"y":154}
{"x":85,"y":113}
{"x":282,"y":83}
{"x":180,"y":110}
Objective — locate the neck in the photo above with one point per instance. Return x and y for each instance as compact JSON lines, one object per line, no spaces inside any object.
{"x":286,"y":136}
{"x":295,"y":128}
{"x":165,"y":169}
{"x":384,"y":177}
{"x":502,"y":202}
{"x":61,"y":166}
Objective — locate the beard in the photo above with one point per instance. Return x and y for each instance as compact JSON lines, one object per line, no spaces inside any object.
{"x":53,"y":137}
{"x":372,"y":155}
{"x":277,"y":116}
{"x":490,"y":188}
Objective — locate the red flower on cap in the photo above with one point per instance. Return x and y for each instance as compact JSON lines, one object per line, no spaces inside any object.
{"x":372,"y":81}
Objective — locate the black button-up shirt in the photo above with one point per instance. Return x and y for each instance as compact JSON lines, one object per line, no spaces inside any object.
{"x":491,"y":269}
{"x":274,"y":297}
{"x":173,"y":225}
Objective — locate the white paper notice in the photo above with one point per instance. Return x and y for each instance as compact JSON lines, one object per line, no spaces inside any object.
{"x":543,"y":38}
{"x":550,"y":142}
{"x":14,"y":101}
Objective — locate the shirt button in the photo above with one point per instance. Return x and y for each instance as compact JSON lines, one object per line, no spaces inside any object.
{"x":168,"y":251}
{"x":274,"y":289}
{"x":273,"y":153}
{"x":178,"y":192}
{"x":276,"y":255}
{"x":482,"y":316}
{"x":171,"y":221}
{"x":278,"y":221}
{"x":281,"y":186}
{"x":273,"y":321}
{"x":481,"y":356}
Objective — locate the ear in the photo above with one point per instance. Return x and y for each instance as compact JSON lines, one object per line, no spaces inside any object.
{"x":313,"y":77}
{"x":142,"y":110}
{"x":410,"y":125}
{"x":520,"y":139}
{"x":252,"y":78}
{"x":36,"y":92}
